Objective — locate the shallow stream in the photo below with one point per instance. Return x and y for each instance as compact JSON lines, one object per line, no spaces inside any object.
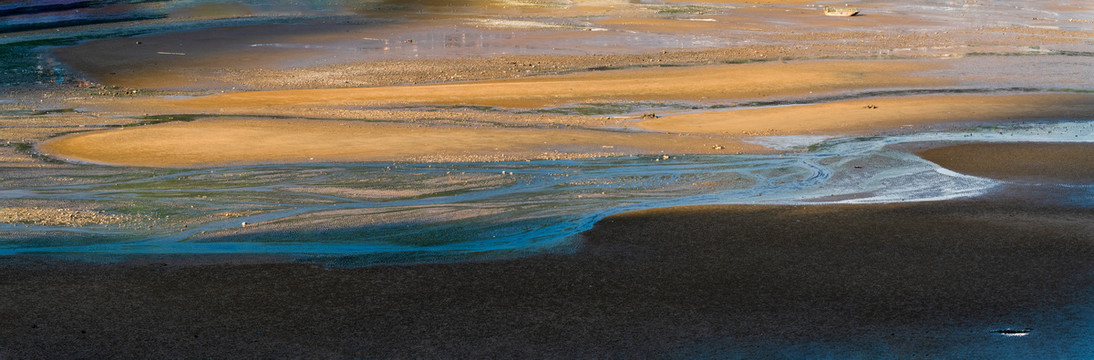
{"x":358,"y":214}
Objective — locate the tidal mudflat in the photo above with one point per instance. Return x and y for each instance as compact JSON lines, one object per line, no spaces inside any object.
{"x":389,"y":179}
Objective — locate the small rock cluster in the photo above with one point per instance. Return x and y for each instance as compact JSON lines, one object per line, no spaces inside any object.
{"x":58,"y":217}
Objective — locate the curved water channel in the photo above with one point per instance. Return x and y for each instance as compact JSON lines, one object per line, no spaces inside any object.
{"x":383,"y":213}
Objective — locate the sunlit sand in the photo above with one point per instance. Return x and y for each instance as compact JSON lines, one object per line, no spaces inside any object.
{"x":221,"y":142}
{"x":546,"y":179}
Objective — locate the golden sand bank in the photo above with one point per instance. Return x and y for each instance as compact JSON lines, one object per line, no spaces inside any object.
{"x":716,"y":82}
{"x":216,"y":142}
{"x":225,"y":141}
{"x":879,"y":114}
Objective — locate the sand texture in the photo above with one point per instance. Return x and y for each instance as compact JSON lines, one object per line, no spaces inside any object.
{"x":355,"y":179}
{"x":218,"y":142}
{"x":917,"y":280}
{"x":877,"y":114}
{"x":223,"y":141}
{"x":690,"y":83}
{"x":1071,"y":163}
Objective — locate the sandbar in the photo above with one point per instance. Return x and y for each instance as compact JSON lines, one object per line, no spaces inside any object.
{"x":1071,"y":163}
{"x":729,"y":81}
{"x":232,"y":141}
{"x":863,"y":116}
{"x":226,"y":141}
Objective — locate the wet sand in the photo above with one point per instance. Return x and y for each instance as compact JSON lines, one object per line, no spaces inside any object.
{"x":928,"y":279}
{"x":880,"y":114}
{"x":359,"y":46}
{"x":1071,"y":163}
{"x":345,"y":46}
{"x":214,"y":142}
{"x":221,"y":142}
{"x":911,"y":280}
{"x":649,"y":84}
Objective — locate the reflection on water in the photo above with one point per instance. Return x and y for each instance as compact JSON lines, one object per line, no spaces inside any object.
{"x":367,"y":213}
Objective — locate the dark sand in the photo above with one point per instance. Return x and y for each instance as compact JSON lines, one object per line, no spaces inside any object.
{"x":903,"y":280}
{"x":1071,"y":163}
{"x":925,"y":280}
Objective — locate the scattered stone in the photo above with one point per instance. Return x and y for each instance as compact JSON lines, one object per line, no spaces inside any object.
{"x":60,"y":217}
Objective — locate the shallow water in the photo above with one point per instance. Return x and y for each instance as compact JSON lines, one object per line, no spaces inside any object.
{"x":359,"y":214}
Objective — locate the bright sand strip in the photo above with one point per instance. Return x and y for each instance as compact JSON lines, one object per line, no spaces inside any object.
{"x":248,"y":141}
{"x":214,"y":142}
{"x":736,"y":81}
{"x":855,"y":117}
{"x":751,"y":2}
{"x":1039,"y":162}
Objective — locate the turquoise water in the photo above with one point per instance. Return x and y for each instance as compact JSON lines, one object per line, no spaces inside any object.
{"x":381,"y":213}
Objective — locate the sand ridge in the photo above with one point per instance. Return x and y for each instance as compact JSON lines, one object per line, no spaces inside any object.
{"x":230,"y":141}
{"x":230,"y":57}
{"x":1069,"y":163}
{"x":878,"y":114}
{"x":223,"y":141}
{"x":730,"y":81}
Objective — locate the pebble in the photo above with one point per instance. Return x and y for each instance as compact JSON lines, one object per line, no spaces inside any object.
{"x":59,"y":217}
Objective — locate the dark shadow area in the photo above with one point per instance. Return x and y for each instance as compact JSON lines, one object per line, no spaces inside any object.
{"x":928,"y":279}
